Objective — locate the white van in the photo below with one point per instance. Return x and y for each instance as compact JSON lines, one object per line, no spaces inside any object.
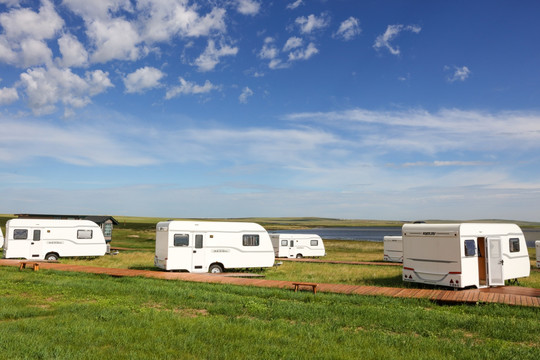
{"x":200,"y":246}
{"x":297,"y":245}
{"x":462,"y":255}
{"x":38,"y":239}
{"x":393,"y":249}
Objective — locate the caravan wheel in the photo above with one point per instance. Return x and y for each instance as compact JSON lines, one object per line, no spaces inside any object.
{"x":215,"y":269}
{"x":299,"y":256}
{"x":51,"y":256}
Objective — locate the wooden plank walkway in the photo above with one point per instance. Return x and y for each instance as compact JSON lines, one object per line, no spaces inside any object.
{"x":511,"y":295}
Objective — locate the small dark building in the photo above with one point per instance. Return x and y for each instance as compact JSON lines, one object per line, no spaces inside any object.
{"x":105,"y":222}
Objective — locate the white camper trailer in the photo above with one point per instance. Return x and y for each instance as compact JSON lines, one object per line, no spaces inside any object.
{"x":200,"y":246}
{"x":463,"y":255}
{"x":38,"y":239}
{"x":393,"y":249}
{"x":537,"y":242}
{"x":297,"y":245}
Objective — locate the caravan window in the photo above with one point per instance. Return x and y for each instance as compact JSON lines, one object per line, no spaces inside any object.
{"x":198,"y":241}
{"x":84,"y":234}
{"x":284,"y":242}
{"x":314,"y":242}
{"x":470,"y":248}
{"x":514,"y":245}
{"x":181,"y":239}
{"x":250,"y":240}
{"x":20,"y":234}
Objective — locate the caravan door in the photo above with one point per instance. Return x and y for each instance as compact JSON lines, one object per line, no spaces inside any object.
{"x":292,"y":249}
{"x":197,"y":259}
{"x":35,"y":244}
{"x":495,"y":262}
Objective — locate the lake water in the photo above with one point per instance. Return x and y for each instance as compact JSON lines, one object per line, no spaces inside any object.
{"x":378,"y":233}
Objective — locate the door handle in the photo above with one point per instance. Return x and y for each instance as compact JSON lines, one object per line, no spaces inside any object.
{"x":31,"y":243}
{"x":194,"y":251}
{"x":501,"y":262}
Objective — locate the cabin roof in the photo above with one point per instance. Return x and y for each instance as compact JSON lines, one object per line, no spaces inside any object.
{"x":98,"y":219}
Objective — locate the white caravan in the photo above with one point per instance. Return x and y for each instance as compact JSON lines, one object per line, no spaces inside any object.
{"x":1,"y":239}
{"x":537,"y":242}
{"x":297,"y":245}
{"x":393,"y":249}
{"x":38,"y":239}
{"x":463,"y":255}
{"x":200,"y":246}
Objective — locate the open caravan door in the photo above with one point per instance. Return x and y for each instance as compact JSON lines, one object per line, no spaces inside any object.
{"x":495,"y":262}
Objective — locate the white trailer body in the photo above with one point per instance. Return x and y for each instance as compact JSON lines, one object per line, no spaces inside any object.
{"x":393,"y":249}
{"x":200,"y":246}
{"x":38,"y":239}
{"x":537,"y":243}
{"x":463,"y":255}
{"x":297,"y":245}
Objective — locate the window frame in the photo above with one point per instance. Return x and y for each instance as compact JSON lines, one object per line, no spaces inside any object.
{"x":251,"y":240}
{"x":314,"y":243}
{"x":81,"y":234}
{"x":513,"y":244}
{"x":180,"y":244}
{"x":470,"y":252}
{"x":18,"y":234}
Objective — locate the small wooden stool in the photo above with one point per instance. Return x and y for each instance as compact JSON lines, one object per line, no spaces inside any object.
{"x":298,"y":284}
{"x":35,"y":265}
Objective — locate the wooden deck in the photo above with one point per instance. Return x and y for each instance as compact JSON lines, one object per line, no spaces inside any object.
{"x":511,"y":295}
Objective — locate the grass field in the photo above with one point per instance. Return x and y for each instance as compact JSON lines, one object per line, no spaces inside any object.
{"x":57,"y":315}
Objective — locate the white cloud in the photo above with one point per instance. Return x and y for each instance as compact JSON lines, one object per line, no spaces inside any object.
{"x":246,"y":92}
{"x":295,"y":4}
{"x":269,"y":50}
{"x":23,"y":23}
{"x":162,"y":20}
{"x":76,"y":143}
{"x":292,"y":43}
{"x":115,"y":39}
{"x":44,"y":88}
{"x":349,"y":29}
{"x":431,"y":133}
{"x":35,"y":52}
{"x":25,"y":31}
{"x":102,"y":10}
{"x":303,"y":54}
{"x":392,"y":31}
{"x":73,"y":52}
{"x":211,"y":56}
{"x":311,"y":23}
{"x":10,"y":3}
{"x":190,"y":88}
{"x":143,"y":79}
{"x":248,"y":7}
{"x":8,"y":96}
{"x":460,"y":73}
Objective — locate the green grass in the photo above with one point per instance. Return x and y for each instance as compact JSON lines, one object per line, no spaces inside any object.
{"x":50,"y":314}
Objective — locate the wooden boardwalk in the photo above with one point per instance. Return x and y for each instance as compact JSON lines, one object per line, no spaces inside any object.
{"x":511,"y":295}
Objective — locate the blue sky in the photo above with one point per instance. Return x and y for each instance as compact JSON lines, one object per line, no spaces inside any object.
{"x":347,"y":109}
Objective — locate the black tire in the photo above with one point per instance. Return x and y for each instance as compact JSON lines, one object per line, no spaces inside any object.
{"x":299,"y":256}
{"x":51,"y":257}
{"x":215,"y":269}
